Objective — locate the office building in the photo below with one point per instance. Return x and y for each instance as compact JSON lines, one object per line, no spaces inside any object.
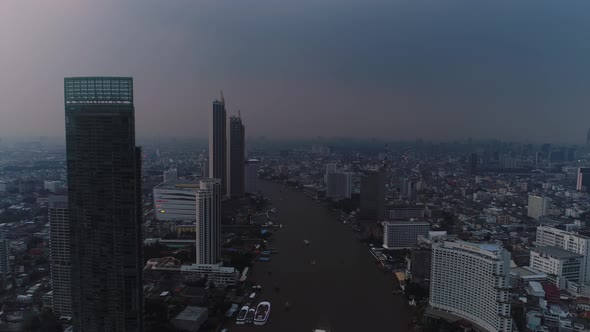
{"x":217,"y":274}
{"x":403,"y":234}
{"x":104,"y":202}
{"x":175,"y":200}
{"x":330,"y":168}
{"x":473,"y":158}
{"x":235,"y":157}
{"x":170,"y":175}
{"x":339,"y":185}
{"x":251,"y":176}
{"x":208,"y":210}
{"x":471,"y":281}
{"x":59,"y":255}
{"x":538,"y":206}
{"x":53,"y":186}
{"x":218,"y":143}
{"x":568,"y":240}
{"x":583,"y":183}
{"x":372,"y":200}
{"x":408,"y":189}
{"x":4,"y":260}
{"x":560,"y":265}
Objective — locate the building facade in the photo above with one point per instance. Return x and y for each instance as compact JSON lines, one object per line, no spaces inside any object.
{"x":208,"y":213}
{"x":175,"y":200}
{"x":216,"y":274}
{"x":583,"y":180}
{"x":372,"y":200}
{"x":403,"y":234}
{"x":104,"y":201}
{"x":251,"y":176}
{"x":5,"y":273}
{"x":218,"y":143}
{"x":339,"y":185}
{"x":471,"y":281}
{"x":560,"y":265}
{"x":59,"y":256}
{"x":538,"y":206}
{"x":171,"y":175}
{"x":568,"y":240}
{"x":235,"y":157}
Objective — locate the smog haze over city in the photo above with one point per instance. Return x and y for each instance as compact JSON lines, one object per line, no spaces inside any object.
{"x":288,"y":166}
{"x":441,"y":70}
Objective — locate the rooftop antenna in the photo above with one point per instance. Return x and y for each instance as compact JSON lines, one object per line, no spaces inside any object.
{"x":222,"y":99}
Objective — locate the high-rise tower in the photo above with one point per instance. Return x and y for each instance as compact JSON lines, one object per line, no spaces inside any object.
{"x":104,"y":194}
{"x":218,"y":143}
{"x":235,"y":157}
{"x":208,"y":217}
{"x":372,"y":202}
{"x":59,"y":244}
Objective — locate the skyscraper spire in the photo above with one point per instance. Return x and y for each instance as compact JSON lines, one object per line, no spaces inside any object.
{"x":222,"y":99}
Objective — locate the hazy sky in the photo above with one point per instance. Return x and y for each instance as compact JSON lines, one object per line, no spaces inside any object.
{"x":437,"y":69}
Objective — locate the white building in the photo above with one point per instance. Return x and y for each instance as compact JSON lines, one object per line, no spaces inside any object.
{"x":171,"y":175}
{"x":403,"y":234}
{"x":59,"y":255}
{"x":208,"y":214}
{"x":538,"y":206}
{"x":217,"y":274}
{"x":338,"y":185}
{"x":175,"y":200}
{"x":568,"y":240}
{"x":251,"y":176}
{"x":560,"y":265}
{"x":472,"y":281}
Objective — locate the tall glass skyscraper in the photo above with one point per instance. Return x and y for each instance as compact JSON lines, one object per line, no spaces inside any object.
{"x":104,"y":194}
{"x":235,"y":157}
{"x":218,"y":143}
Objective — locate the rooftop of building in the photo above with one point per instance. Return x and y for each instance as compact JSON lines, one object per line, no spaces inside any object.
{"x":179,"y":185}
{"x":406,"y":222}
{"x":526,"y":271}
{"x":191,"y":313}
{"x":476,"y":247}
{"x":556,"y":252}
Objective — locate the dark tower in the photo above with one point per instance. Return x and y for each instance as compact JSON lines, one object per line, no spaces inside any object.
{"x":104,"y":194}
{"x":235,"y":157}
{"x":372,"y":201}
{"x":218,"y":144}
{"x":473,"y":163}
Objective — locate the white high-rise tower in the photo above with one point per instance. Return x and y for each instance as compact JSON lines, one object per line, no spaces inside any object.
{"x":208,"y":221}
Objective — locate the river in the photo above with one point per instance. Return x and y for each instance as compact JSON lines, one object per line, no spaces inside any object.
{"x":344,"y":289}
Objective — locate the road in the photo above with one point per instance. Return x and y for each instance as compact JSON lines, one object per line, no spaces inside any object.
{"x":344,"y":289}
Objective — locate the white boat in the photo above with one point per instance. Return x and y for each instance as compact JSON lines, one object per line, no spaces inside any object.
{"x":306,"y":242}
{"x":242,"y":315}
{"x":262,"y":313}
{"x":250,"y":316}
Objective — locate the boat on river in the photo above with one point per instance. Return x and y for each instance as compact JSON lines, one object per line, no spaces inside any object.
{"x":262,"y":313}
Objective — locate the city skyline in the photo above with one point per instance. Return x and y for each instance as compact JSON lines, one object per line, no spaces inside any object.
{"x":384,"y":69}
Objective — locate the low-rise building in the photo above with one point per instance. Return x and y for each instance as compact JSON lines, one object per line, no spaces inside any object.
{"x":217,"y":274}
{"x":403,"y":234}
{"x":560,"y":265}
